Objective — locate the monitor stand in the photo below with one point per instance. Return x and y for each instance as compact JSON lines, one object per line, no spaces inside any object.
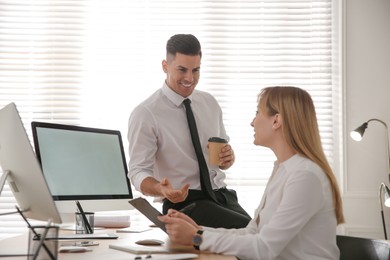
{"x":3,"y":179}
{"x":2,"y":183}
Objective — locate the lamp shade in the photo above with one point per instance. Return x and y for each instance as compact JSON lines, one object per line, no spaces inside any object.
{"x":358,"y":133}
{"x":386,"y":196}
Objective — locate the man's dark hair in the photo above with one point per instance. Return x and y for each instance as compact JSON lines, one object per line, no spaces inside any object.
{"x":186,"y":44}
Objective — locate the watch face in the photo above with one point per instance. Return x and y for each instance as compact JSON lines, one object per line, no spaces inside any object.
{"x":197,"y":240}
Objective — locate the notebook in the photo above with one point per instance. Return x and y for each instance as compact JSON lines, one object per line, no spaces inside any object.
{"x":160,"y":253}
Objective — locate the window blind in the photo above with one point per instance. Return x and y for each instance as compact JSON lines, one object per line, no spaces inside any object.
{"x":90,"y":63}
{"x":254,"y":44}
{"x":40,"y":70}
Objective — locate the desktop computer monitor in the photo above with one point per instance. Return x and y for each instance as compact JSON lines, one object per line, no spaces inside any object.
{"x":85,"y":164}
{"x":22,"y":170}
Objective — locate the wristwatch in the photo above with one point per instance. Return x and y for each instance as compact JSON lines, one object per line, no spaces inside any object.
{"x":197,"y":239}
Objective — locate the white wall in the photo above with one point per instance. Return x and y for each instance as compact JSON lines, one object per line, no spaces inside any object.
{"x":367,"y":86}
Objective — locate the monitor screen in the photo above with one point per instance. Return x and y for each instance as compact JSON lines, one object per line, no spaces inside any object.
{"x":25,"y":176}
{"x":82,"y":163}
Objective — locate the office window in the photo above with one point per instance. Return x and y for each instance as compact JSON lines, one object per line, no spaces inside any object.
{"x":90,"y":62}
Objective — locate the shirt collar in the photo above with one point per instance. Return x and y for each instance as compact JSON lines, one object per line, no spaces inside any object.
{"x":290,"y":162}
{"x":173,"y":96}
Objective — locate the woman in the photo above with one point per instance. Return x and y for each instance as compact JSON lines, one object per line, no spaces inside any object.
{"x":301,"y":206}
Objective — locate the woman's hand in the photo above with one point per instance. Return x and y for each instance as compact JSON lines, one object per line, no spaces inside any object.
{"x":180,"y":227}
{"x":177,"y":214}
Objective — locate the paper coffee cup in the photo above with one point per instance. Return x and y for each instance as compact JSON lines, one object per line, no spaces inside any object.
{"x":215,"y":146}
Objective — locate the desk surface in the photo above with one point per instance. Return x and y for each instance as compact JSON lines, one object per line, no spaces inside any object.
{"x":19,"y":244}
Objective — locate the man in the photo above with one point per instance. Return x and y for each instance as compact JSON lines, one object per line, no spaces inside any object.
{"x":163,"y":162}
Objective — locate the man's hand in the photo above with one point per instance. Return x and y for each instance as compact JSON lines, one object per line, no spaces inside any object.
{"x":151,"y":187}
{"x":226,"y":157}
{"x":174,"y":196}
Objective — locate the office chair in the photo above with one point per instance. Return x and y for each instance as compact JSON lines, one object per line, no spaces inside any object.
{"x":357,"y":248}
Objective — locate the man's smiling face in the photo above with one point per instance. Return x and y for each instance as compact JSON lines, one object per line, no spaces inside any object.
{"x":183,"y":73}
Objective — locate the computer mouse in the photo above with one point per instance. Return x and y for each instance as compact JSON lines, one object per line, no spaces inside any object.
{"x":149,"y":242}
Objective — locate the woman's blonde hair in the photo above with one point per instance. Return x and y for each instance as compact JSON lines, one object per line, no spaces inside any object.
{"x":300,"y":129}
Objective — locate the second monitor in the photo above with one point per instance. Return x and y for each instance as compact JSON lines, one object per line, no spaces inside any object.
{"x":85,"y":164}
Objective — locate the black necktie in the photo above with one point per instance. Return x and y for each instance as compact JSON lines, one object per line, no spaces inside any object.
{"x":204,"y":171}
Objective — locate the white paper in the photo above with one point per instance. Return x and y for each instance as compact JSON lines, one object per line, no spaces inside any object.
{"x":112,"y":221}
{"x":158,"y":252}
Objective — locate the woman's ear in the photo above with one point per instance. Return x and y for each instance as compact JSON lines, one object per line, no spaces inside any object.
{"x":277,"y":121}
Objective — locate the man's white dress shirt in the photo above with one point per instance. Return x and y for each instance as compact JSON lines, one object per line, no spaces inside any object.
{"x":160,"y":142}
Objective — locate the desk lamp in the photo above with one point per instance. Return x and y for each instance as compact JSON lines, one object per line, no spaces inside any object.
{"x":357,"y":135}
{"x":386,"y":199}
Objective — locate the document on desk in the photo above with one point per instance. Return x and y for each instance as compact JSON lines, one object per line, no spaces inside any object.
{"x":133,"y":229}
{"x":174,"y":256}
{"x":139,"y":249}
{"x":158,"y":252}
{"x":88,"y":236}
{"x":112,"y":220}
{"x":143,"y":206}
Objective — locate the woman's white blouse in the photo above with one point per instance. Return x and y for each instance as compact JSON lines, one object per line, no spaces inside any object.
{"x":295,"y":219}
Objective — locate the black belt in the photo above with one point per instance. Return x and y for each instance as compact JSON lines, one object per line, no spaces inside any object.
{"x":199,"y":193}
{"x":220,"y":189}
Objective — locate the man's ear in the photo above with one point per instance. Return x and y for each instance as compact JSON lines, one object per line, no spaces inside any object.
{"x":164,"y":64}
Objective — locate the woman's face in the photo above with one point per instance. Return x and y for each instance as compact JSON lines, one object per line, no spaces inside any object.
{"x":263,"y":126}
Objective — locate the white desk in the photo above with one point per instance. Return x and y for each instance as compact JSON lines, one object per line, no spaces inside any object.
{"x":19,"y":245}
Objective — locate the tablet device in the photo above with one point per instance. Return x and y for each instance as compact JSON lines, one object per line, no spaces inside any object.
{"x":143,"y":206}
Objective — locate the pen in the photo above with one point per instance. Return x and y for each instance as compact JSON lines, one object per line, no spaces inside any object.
{"x":188,"y":207}
{"x":85,"y":220}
